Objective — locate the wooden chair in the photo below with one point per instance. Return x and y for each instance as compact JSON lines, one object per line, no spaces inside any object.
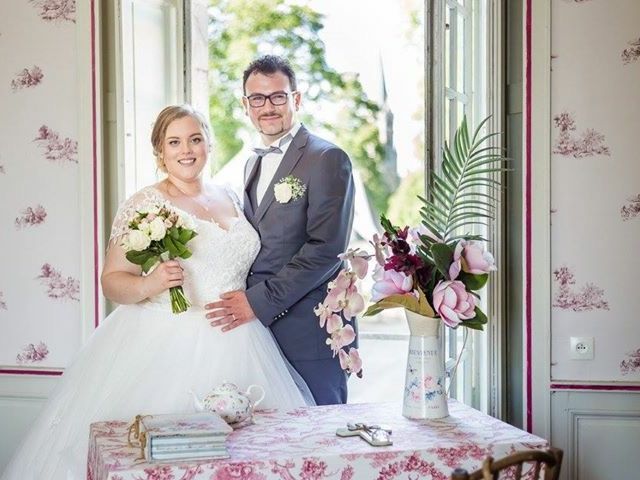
{"x":551,"y":459}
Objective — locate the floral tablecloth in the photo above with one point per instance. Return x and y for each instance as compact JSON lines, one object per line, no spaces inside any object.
{"x":301,"y":444}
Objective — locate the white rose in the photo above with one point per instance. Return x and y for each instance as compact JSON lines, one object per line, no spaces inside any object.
{"x":283,"y":192}
{"x":136,"y":240}
{"x":186,"y":221}
{"x":157,"y":229}
{"x":144,"y":227}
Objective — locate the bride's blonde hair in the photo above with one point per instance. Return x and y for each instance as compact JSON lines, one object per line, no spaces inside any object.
{"x":164,"y":119}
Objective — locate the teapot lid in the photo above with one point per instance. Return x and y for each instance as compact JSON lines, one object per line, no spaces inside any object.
{"x":226,"y":387}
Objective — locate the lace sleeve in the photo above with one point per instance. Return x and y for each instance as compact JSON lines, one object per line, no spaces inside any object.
{"x":233,"y":194}
{"x":146,"y":196}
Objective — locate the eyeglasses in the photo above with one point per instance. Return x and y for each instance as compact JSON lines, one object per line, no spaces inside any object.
{"x":276,"y":99}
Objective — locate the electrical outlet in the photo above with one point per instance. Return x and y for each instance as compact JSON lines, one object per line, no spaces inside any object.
{"x":581,"y":348}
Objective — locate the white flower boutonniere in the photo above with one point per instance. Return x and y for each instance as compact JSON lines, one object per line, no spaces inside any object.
{"x":289,"y":188}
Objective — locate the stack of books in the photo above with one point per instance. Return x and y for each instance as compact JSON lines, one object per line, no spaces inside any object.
{"x":192,"y":436}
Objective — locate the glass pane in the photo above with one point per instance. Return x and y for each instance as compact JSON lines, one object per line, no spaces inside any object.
{"x":453,"y":50}
{"x":461,"y":53}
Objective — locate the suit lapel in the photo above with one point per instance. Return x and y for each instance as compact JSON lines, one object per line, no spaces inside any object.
{"x":251,"y":167}
{"x":289,"y":161}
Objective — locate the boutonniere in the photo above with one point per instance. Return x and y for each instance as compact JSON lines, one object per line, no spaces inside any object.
{"x":289,"y":188}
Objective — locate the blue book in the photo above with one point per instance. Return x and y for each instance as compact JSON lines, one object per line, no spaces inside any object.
{"x":185,"y":436}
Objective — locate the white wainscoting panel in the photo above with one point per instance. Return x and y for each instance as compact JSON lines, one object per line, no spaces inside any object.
{"x":599,"y":433}
{"x":21,"y":398}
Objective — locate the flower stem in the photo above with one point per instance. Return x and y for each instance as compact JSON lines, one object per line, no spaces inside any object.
{"x":179,"y":302}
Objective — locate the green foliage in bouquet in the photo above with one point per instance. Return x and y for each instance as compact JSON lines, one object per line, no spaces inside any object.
{"x":175,"y":243}
{"x":463,"y":194}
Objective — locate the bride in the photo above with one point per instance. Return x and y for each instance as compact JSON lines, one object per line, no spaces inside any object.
{"x":143,"y":359}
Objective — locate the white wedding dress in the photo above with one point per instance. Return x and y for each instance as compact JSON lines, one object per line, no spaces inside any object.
{"x":143,"y":359}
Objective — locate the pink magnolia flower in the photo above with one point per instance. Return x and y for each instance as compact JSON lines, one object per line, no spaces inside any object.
{"x":359,"y":261}
{"x":453,"y":303}
{"x":471,"y":257}
{"x":390,"y":282}
{"x":341,"y":338}
{"x":351,"y":361}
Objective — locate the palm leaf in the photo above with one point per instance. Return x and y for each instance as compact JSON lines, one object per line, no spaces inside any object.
{"x":467,"y":165}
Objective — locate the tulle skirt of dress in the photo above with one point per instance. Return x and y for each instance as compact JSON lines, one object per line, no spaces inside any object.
{"x":145,"y":360}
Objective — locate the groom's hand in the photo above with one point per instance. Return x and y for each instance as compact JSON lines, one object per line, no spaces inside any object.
{"x":232,"y":310}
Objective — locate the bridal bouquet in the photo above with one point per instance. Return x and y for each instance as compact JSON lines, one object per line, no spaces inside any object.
{"x":432,"y":269}
{"x":157,"y":234}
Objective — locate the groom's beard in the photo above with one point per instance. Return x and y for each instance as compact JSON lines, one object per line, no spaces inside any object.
{"x":275,"y":129}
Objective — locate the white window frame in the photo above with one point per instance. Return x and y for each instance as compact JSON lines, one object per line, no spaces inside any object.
{"x":479,"y":375}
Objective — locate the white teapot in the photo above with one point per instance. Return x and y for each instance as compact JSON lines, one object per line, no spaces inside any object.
{"x":233,"y":405}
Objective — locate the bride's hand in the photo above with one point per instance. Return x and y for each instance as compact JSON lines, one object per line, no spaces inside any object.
{"x":166,"y":275}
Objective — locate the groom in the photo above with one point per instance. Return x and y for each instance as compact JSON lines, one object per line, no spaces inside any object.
{"x":299,"y":197}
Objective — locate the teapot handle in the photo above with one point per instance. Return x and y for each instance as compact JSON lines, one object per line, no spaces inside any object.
{"x":262,"y":394}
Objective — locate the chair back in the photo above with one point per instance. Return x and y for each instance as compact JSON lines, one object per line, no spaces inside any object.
{"x":551,"y":459}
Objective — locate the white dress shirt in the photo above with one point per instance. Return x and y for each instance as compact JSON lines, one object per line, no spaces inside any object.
{"x":271,"y":162}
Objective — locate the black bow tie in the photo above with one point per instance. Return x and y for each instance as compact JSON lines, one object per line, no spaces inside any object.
{"x":261,"y":152}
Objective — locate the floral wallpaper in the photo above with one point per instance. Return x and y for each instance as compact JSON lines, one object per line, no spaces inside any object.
{"x":27,"y":78}
{"x":55,"y":10}
{"x":39,"y":180}
{"x":595,"y":188}
{"x":632,"y":53}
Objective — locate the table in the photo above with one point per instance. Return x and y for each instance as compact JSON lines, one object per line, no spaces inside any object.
{"x":301,"y":444}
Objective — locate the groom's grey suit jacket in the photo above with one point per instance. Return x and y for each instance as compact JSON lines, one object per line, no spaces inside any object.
{"x":300,"y":241}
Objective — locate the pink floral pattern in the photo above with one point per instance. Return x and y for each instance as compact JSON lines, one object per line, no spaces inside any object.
{"x":588,"y":144}
{"x":631,"y":364}
{"x":632,"y":53}
{"x":33,"y":353}
{"x":56,"y":149}
{"x":27,"y":78}
{"x":57,"y":286}
{"x":590,"y":297}
{"x":3,"y":305}
{"x":52,"y":10}
{"x":282,"y":446}
{"x":411,"y":464}
{"x":31,"y":216}
{"x":632,"y":209}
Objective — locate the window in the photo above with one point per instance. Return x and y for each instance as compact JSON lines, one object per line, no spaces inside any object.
{"x":369,"y":94}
